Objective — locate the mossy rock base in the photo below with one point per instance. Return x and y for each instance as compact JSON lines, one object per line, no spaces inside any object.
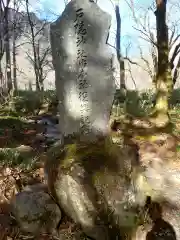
{"x":105,"y":184}
{"x":95,"y":156}
{"x":93,"y":177}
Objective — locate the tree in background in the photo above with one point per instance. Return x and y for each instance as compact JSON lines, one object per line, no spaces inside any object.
{"x":161,"y":69}
{"x":164,"y":83}
{"x":5,"y":42}
{"x":117,"y":46}
{"x":1,"y":40}
{"x":14,"y":48}
{"x":41,"y":64}
{"x":147,"y":33}
{"x":41,"y":55}
{"x":7,"y":49}
{"x":16,"y":29}
{"x":10,"y":23}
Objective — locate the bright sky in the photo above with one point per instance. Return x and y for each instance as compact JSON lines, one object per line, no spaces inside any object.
{"x":53,"y":8}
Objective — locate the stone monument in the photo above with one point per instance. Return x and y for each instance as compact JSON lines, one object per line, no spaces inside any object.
{"x":83,"y":66}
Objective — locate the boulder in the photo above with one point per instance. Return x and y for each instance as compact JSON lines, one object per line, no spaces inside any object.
{"x":92,"y":184}
{"x":36,"y":212}
{"x":104,"y":187}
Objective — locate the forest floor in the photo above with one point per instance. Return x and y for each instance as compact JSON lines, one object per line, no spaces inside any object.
{"x":23,"y":143}
{"x":22,"y":149}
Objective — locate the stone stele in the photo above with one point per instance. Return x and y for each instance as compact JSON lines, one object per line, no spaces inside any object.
{"x":83,"y":66}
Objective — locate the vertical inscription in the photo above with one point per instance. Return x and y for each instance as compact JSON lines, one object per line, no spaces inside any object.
{"x":81,"y":34}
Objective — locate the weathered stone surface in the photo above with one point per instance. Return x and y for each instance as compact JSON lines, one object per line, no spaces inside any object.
{"x":39,"y":187}
{"x":72,"y":235}
{"x":102,"y":183}
{"x":83,"y":65}
{"x":92,"y":185}
{"x":35,"y":212}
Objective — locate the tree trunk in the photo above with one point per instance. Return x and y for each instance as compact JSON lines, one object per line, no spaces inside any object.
{"x":33,"y":46}
{"x":122,"y":75}
{"x":1,"y":75}
{"x":1,"y":42}
{"x":14,"y":67}
{"x":14,"y":51}
{"x":41,"y":80}
{"x":164,"y":83}
{"x":118,"y":48}
{"x":8,"y":55}
{"x":30,"y":86}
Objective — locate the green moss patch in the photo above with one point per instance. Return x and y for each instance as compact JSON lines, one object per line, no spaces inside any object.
{"x":99,"y":152}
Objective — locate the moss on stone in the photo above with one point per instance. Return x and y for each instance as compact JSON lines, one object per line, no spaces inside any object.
{"x":87,"y":151}
{"x":105,"y":164}
{"x":97,"y":158}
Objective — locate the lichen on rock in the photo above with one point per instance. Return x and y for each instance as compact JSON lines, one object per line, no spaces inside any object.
{"x":35,"y":212}
{"x":92,"y":183}
{"x":105,"y":184}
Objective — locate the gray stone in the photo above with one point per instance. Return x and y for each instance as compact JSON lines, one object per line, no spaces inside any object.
{"x":77,"y":234}
{"x":35,"y":212}
{"x":38,"y":187}
{"x":106,"y":184}
{"x":83,"y":66}
{"x":93,"y":190}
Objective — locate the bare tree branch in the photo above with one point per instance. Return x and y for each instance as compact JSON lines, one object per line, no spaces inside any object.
{"x":131,"y":75}
{"x":125,"y":58}
{"x":176,"y":51}
{"x":146,"y":37}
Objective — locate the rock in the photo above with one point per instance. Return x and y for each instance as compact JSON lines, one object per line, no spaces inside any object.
{"x":103,"y":184}
{"x":161,"y":180}
{"x":72,"y":235}
{"x":11,"y":154}
{"x":40,"y":138}
{"x":141,"y":232}
{"x":48,"y":119}
{"x":32,"y":121}
{"x":52,"y":133}
{"x":35,"y":212}
{"x":44,"y":109}
{"x":24,"y":149}
{"x":45,"y":121}
{"x":83,"y":66}
{"x":39,"y":187}
{"x":91,"y":182}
